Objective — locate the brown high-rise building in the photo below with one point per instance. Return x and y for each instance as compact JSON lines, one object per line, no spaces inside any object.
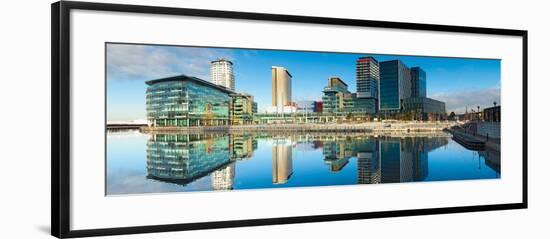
{"x":281,"y":88}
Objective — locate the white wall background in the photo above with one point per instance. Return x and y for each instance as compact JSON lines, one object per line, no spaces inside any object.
{"x":25,"y":132}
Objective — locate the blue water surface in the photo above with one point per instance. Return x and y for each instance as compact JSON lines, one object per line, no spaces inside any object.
{"x":160,"y":163}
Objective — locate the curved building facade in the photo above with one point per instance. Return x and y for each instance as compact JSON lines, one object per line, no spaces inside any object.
{"x":186,"y":101}
{"x":221,"y":73}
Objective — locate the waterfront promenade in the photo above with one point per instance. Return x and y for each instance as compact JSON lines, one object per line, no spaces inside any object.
{"x":367,"y":127}
{"x":473,"y":140}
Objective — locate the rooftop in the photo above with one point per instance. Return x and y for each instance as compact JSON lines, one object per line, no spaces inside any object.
{"x":282,"y":68}
{"x":189,"y":78}
{"x":367,"y":59}
{"x":222,"y":60}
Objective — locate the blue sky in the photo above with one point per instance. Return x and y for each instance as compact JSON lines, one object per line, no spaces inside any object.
{"x":459,"y":82}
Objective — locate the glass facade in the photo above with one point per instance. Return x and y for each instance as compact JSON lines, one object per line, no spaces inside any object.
{"x":395,"y":85}
{"x":186,"y":101}
{"x":333,"y":98}
{"x":242,"y":108}
{"x":366,"y":105}
{"x":418,"y":82}
{"x":338,"y":99}
{"x":425,"y":108}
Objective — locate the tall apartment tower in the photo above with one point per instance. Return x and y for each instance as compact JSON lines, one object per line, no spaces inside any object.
{"x":368,"y":82}
{"x":221,"y":73}
{"x":418,"y":82}
{"x":395,"y":85}
{"x":281,"y":88}
{"x":368,"y":76}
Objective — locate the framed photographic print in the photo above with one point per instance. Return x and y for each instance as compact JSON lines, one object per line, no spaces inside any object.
{"x":167,"y":119}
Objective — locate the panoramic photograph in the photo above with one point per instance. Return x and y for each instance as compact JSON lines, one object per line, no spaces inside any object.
{"x":185,"y":118}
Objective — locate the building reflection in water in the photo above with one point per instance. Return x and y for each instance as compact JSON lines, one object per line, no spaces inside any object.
{"x":184,"y":158}
{"x":382,"y":159}
{"x":368,"y":162}
{"x":243,"y":146}
{"x":390,"y":158}
{"x":406,"y":159}
{"x":492,"y":159}
{"x":282,"y":160}
{"x":222,"y":179}
{"x":337,"y":152}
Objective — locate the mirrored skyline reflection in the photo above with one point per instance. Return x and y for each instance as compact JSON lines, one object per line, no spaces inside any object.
{"x":208,"y":162}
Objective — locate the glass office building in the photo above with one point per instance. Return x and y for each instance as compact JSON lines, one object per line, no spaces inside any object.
{"x":418,"y":82}
{"x":425,"y":108}
{"x":364,"y":105}
{"x":242,"y":108}
{"x":333,"y":98}
{"x":395,"y":85}
{"x":338,"y":99}
{"x":186,"y":101}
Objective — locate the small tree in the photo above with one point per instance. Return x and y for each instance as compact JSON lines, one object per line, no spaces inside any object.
{"x":452,"y":115}
{"x":348,"y":117}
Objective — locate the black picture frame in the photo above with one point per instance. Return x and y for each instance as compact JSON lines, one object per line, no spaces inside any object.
{"x":60,"y":117}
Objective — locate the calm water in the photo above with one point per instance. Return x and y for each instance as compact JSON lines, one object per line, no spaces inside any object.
{"x":147,"y":163}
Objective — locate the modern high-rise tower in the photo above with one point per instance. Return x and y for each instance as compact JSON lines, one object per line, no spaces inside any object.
{"x":395,"y":85}
{"x":221,"y":73}
{"x":368,"y":76}
{"x":418,"y":82}
{"x":281,"y":88}
{"x":368,"y":81}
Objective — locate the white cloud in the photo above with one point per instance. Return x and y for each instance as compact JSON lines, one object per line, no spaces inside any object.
{"x":458,"y":101}
{"x":144,"y":62}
